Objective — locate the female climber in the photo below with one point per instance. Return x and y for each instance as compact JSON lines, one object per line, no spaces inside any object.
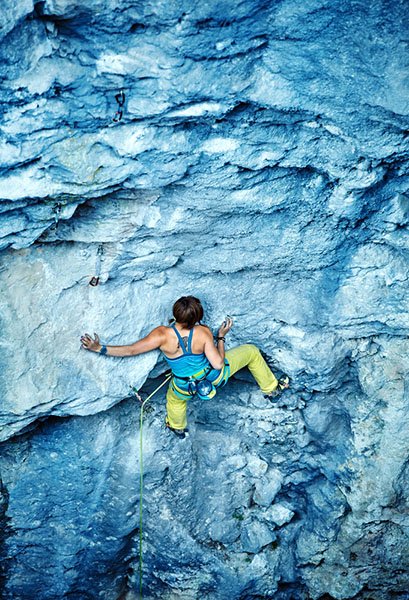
{"x":199,"y":366}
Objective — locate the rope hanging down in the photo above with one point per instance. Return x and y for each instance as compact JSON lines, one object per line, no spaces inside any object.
{"x":141,"y":476}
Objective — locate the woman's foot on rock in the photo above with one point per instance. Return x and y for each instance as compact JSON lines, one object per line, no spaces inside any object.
{"x":180,"y":433}
{"x":283,"y":384}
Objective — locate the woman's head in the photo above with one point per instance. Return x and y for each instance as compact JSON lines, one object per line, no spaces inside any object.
{"x":188,"y":311}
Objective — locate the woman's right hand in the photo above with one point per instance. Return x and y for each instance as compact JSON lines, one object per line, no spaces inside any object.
{"x":90,"y":344}
{"x":225,"y":326}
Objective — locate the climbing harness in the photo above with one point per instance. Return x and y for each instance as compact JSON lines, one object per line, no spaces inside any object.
{"x":95,"y":279}
{"x":198,"y":385}
{"x":120,"y":98}
{"x":168,"y":377}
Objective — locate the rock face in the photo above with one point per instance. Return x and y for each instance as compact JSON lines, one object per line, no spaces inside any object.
{"x":254,"y":154}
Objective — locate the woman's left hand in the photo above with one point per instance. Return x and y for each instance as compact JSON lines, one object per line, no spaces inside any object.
{"x":225,"y":326}
{"x":91,"y":344}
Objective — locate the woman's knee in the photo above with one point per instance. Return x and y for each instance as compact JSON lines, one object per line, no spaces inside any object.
{"x":252,"y":350}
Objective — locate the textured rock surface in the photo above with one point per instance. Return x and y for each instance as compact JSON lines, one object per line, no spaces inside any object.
{"x":261,"y":163}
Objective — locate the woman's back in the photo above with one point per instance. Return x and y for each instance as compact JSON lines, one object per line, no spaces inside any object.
{"x":184,"y":350}
{"x":173,"y":347}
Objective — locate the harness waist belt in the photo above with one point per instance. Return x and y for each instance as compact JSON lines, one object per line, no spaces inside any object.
{"x":203,"y":372}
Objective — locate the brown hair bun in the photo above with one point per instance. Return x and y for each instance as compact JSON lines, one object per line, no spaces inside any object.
{"x":188,"y":310}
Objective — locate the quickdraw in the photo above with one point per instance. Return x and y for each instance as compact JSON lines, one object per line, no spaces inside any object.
{"x":57,"y":212}
{"x":95,"y":279}
{"x":120,"y":98}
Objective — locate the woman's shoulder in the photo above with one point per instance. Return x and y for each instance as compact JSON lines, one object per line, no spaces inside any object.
{"x":161,"y":331}
{"x":204,"y":330}
{"x":164,"y":333}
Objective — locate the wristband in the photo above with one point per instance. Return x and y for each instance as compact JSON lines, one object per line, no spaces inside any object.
{"x":220,"y":338}
{"x":103,"y":350}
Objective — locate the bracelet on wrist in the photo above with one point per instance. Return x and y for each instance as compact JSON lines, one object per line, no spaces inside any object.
{"x":103,"y":350}
{"x":220,"y":338}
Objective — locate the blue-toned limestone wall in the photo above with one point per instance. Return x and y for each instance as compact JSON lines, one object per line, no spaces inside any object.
{"x":253,"y":154}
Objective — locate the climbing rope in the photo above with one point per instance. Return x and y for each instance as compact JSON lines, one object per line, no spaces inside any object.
{"x":141,"y":475}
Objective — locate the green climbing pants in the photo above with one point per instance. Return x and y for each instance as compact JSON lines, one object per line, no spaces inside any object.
{"x":246,"y":355}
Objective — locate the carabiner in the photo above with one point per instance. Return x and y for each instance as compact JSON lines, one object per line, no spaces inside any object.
{"x":118,"y":116}
{"x":120,"y":98}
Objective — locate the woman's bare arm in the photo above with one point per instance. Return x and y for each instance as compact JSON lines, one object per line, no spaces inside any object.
{"x":152,"y":341}
{"x":215,"y":355}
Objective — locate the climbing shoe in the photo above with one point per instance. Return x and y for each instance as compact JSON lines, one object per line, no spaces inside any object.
{"x":283,"y":384}
{"x":180,"y":433}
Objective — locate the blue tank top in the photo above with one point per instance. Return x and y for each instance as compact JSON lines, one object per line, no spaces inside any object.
{"x":188,"y":363}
